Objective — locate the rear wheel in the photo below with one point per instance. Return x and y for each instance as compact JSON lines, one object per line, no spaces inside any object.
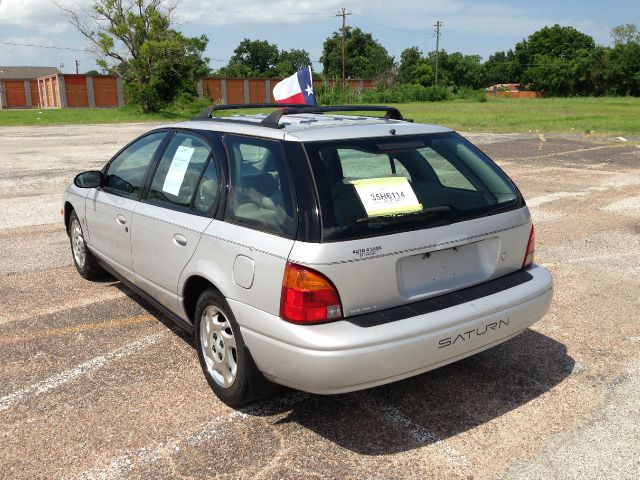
{"x":224,"y":358}
{"x":83,"y":259}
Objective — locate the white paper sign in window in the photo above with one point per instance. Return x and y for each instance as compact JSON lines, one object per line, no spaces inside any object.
{"x":177,"y":169}
{"x":385,"y":196}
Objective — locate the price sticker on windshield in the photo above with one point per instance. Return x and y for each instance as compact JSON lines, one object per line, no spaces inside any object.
{"x":386,"y":196}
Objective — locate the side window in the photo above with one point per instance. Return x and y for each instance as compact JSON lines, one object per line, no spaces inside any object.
{"x":362,"y":164}
{"x":448,"y":175}
{"x":176,"y":178}
{"x":125,"y":174}
{"x":260,"y":194}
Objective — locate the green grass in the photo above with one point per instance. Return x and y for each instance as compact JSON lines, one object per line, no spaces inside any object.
{"x":85,"y":116}
{"x":549,"y":115}
{"x":607,"y":115}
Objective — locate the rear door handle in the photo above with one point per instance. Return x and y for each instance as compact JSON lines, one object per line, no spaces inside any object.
{"x":121,"y":219}
{"x":180,"y":239}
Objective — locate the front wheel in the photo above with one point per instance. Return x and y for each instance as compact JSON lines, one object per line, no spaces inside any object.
{"x":83,"y":259}
{"x":224,"y":358}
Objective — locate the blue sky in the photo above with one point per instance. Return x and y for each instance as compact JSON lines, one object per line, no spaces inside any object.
{"x":471,"y":27}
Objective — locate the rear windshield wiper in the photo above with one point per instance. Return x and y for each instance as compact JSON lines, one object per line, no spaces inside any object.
{"x":402,"y":216}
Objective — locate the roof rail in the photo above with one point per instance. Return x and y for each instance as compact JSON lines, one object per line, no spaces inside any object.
{"x":273,"y":119}
{"x":241,"y":106}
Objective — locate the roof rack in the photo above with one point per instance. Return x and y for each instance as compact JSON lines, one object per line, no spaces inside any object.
{"x":242,"y":106}
{"x":273,"y":119}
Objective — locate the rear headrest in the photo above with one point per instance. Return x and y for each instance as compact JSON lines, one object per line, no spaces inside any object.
{"x":262,"y":182}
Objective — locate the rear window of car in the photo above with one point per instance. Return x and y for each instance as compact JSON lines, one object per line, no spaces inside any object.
{"x":379,"y":186}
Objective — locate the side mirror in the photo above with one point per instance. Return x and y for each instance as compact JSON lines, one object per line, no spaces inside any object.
{"x":90,"y":179}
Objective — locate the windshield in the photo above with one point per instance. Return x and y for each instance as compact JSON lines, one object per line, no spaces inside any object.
{"x":378,"y":186}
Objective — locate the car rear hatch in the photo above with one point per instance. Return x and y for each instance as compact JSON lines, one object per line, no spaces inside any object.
{"x":410,"y":218}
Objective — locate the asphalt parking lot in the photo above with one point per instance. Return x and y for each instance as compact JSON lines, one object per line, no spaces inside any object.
{"x":96,"y":384}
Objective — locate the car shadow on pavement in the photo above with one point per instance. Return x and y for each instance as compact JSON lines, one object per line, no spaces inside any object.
{"x":161,"y":317}
{"x":420,"y":410}
{"x":439,"y":404}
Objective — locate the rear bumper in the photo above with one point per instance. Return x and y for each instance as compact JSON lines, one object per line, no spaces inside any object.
{"x":342,"y":356}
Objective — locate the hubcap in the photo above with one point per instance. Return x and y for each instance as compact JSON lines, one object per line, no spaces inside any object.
{"x":77,"y":244}
{"x":218,"y":346}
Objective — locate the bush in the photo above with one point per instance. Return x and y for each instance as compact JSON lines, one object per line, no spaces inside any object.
{"x":468,"y":93}
{"x":186,"y":103}
{"x":335,"y":94}
{"x":401,"y":93}
{"x":404,"y":93}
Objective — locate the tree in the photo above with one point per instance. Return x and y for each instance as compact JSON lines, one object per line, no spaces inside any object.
{"x":559,"y":60}
{"x":462,"y":70}
{"x":625,"y":34}
{"x":455,"y":70}
{"x":291,"y":61}
{"x":499,"y":68}
{"x":259,"y":58}
{"x":252,"y":58}
{"x":414,"y":68}
{"x":364,"y":57}
{"x":135,"y":39}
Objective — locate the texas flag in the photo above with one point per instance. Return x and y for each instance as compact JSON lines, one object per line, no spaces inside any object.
{"x":298,"y":88}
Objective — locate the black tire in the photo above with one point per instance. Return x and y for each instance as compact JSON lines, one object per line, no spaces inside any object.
{"x":248,"y":384}
{"x":85,"y":263}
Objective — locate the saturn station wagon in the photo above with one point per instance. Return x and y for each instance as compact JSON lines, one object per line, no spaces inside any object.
{"x":314,"y":247}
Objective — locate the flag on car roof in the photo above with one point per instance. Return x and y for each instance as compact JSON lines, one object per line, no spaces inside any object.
{"x":298,"y":88}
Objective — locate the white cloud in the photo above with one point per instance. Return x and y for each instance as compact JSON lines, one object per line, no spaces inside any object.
{"x":37,"y":15}
{"x":253,"y":12}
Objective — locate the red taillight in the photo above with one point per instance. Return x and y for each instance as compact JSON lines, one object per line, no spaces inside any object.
{"x":531,"y":248}
{"x":308,"y":296}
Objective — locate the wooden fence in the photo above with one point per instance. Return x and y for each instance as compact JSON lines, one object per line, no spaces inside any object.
{"x":254,"y":90}
{"x":84,"y":91}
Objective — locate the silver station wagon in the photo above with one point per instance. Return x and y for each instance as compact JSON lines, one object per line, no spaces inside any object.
{"x":314,"y":247}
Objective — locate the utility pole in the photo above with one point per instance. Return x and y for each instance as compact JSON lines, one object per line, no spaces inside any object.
{"x":438,"y":25}
{"x":77,"y":67}
{"x":344,"y":15}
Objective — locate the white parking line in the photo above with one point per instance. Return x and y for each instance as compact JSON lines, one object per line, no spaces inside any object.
{"x":121,"y":466}
{"x":82,"y":369}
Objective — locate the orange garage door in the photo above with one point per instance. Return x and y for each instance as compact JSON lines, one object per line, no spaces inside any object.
{"x":15,"y":94}
{"x":105,"y":91}
{"x":76,"y":88}
{"x":235,"y":91}
{"x":212,"y":87}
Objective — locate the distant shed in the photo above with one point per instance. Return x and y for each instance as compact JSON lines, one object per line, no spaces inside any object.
{"x":512,"y":90}
{"x":19,"y":86}
{"x":80,"y":91}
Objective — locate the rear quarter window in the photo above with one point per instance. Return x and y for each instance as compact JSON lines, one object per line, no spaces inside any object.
{"x":261,"y":195}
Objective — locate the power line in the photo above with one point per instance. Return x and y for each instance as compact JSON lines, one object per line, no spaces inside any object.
{"x":399,"y":30}
{"x":263,"y":13}
{"x":46,"y":46}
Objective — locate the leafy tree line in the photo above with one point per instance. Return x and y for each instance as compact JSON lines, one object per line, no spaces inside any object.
{"x":136,"y":39}
{"x":561,"y":61}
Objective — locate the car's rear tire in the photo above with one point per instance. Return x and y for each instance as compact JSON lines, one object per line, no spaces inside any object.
{"x":225,"y":360}
{"x":83,"y":259}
